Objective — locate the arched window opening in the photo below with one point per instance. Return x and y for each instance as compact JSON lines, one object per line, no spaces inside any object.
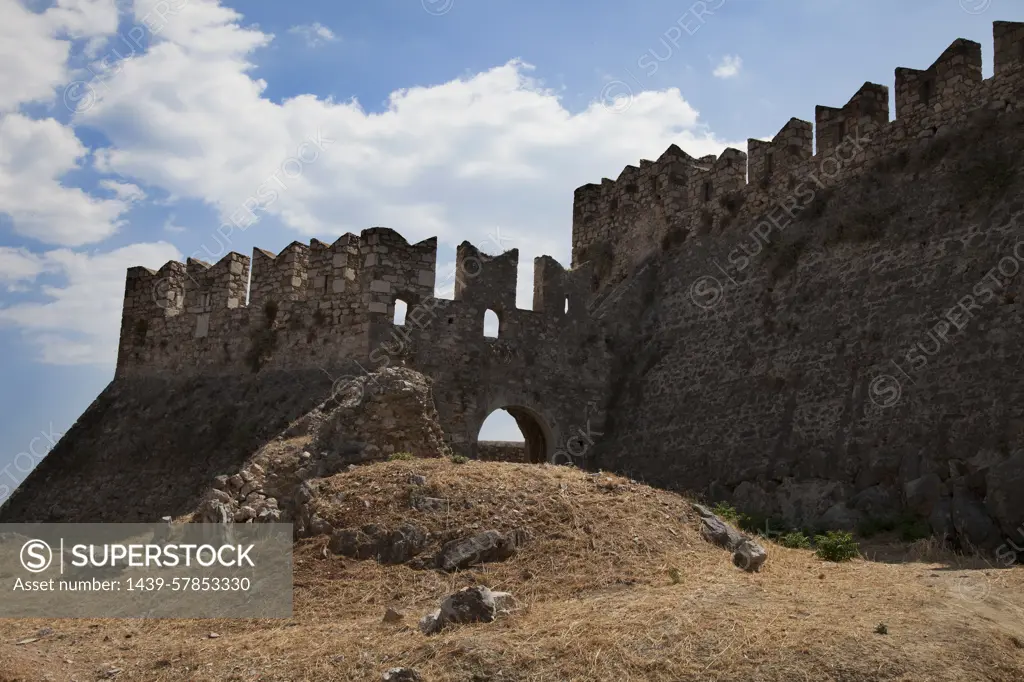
{"x":491,"y":324}
{"x":566,"y":304}
{"x":401,"y":307}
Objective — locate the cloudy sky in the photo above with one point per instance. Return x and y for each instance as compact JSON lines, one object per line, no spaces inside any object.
{"x":129,"y":130}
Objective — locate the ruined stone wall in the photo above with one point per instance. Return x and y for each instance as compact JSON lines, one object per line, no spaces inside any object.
{"x":151,"y":447}
{"x":502,"y":451}
{"x":838,"y":336}
{"x":331,"y":308}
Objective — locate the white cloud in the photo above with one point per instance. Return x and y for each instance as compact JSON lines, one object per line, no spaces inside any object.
{"x":171,"y":226}
{"x":19,"y":265}
{"x":83,"y":18}
{"x":314,"y":34}
{"x":729,"y":67}
{"x":78,"y":322}
{"x":125,"y":191}
{"x":34,"y":155}
{"x":33,"y":55}
{"x":495,"y":148}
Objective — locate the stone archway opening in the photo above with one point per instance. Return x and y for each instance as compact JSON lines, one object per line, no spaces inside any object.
{"x":498,"y":440}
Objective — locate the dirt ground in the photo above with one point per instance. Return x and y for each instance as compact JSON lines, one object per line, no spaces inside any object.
{"x":614,"y":583}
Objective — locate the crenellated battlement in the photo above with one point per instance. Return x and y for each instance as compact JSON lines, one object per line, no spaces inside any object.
{"x":323,"y":304}
{"x":617,"y":224}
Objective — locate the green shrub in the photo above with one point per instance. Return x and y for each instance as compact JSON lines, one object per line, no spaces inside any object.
{"x":836,"y":545}
{"x":872,"y":526}
{"x":795,"y":540}
{"x":459,"y":459}
{"x":398,"y":456}
{"x":912,"y":530}
{"x":909,"y":527}
{"x":753,"y":523}
{"x":726,"y":512}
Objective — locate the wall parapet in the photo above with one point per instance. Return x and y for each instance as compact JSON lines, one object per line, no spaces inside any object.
{"x":321,"y":304}
{"x":678,"y":197}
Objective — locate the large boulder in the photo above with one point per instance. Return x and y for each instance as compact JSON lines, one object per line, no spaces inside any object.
{"x":840,"y":517}
{"x":477,"y":604}
{"x":941,"y":519}
{"x":1005,"y":493}
{"x":974,"y":527}
{"x":923,"y":493}
{"x":747,"y":554}
{"x":716,"y":531}
{"x":481,"y":548}
{"x":376,"y":542}
{"x":803,"y":502}
{"x":878,"y":501}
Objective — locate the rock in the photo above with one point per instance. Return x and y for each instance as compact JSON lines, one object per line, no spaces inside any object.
{"x":416,"y":479}
{"x":877,"y":502}
{"x":480,"y":548}
{"x":973,"y":525}
{"x":269,"y":516}
{"x":840,"y":517}
{"x":431,"y":504}
{"x":220,"y":482}
{"x":213,"y":635}
{"x":984,"y":460}
{"x":716,"y":531}
{"x":749,"y":556}
{"x":317,"y":526}
{"x":941,"y":519}
{"x":431,"y":623}
{"x":1005,"y":499}
{"x":235,"y":482}
{"x":373,"y":541}
{"x":402,"y":675}
{"x":752,"y":498}
{"x":393,"y":616}
{"x":923,"y":493}
{"x":220,"y":496}
{"x":803,"y":502}
{"x":474,"y":605}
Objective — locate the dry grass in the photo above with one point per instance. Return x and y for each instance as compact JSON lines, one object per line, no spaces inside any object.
{"x":596,"y":601}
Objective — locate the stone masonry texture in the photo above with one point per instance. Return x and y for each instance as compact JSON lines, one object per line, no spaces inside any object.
{"x":826,"y":328}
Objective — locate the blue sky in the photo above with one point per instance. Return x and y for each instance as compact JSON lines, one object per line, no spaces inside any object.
{"x":457,"y":118}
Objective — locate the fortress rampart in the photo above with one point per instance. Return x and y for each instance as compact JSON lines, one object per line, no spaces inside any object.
{"x":620,"y":223}
{"x":332,"y":307}
{"x":736,"y":325}
{"x":839,"y":338}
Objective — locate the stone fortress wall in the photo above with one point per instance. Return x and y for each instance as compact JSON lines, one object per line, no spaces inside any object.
{"x":829,"y":335}
{"x":331,"y":307}
{"x":724,"y":327}
{"x":619,"y":223}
